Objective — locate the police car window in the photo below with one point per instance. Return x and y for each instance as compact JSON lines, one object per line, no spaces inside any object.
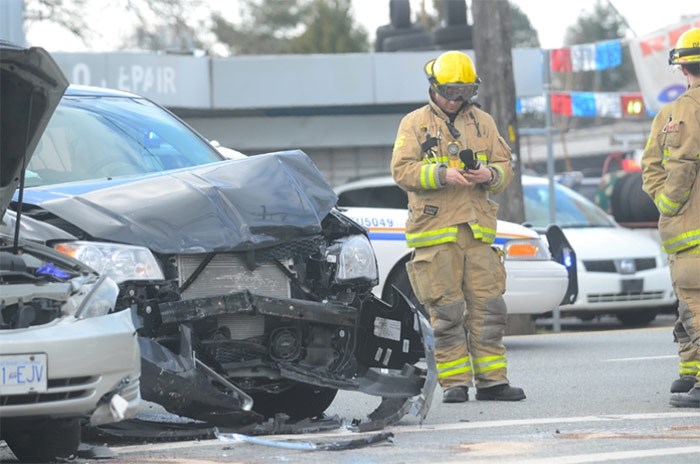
{"x":572,"y":209}
{"x":388,"y":197}
{"x":353,"y":198}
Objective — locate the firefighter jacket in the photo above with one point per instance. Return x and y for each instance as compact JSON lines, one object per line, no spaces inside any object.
{"x":654,"y":158}
{"x":426,"y":144}
{"x":676,"y":192}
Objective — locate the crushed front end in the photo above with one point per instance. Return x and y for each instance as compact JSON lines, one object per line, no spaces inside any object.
{"x":294,"y":323}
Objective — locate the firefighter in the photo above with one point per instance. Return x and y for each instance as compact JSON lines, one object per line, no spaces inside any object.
{"x":654,"y":175}
{"x":677,"y":196}
{"x":449,"y":156}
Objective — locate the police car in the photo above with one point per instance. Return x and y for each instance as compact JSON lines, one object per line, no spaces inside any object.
{"x":615,"y":271}
{"x":535,"y":282}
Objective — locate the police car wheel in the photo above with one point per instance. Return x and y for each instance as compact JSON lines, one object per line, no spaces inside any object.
{"x":399,"y":278}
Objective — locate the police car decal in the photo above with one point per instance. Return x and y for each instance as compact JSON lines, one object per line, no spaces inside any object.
{"x":385,"y":225}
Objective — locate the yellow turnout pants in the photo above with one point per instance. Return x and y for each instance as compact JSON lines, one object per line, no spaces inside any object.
{"x":685,"y":274}
{"x":461,"y":285}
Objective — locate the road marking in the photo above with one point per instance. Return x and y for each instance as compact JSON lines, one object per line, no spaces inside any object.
{"x":166,"y":446}
{"x":670,"y":356}
{"x":612,"y":456}
{"x":546,"y":420}
{"x":345,"y":433}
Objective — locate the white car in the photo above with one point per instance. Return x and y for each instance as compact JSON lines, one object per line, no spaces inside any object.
{"x":535,"y":283}
{"x":619,"y":271}
{"x":65,"y":356}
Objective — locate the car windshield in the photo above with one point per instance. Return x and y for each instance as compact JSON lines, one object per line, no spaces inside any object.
{"x":90,"y":137}
{"x":571,"y":209}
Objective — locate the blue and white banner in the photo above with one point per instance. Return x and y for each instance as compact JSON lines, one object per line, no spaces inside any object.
{"x":587,"y":104}
{"x":587,"y":57}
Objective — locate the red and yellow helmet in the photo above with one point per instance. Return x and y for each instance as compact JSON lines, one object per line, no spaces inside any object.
{"x":453,"y":76}
{"x":687,"y":48}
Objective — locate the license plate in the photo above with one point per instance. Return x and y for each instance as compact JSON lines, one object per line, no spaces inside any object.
{"x":632,"y":286}
{"x":23,"y":373}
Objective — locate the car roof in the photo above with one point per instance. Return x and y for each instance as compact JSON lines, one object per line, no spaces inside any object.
{"x":387,"y":180}
{"x":534,"y":180}
{"x":90,"y":91}
{"x":374,"y":181}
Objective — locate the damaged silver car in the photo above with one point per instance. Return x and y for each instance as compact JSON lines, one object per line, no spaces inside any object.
{"x":253,"y":291}
{"x":66,"y":354}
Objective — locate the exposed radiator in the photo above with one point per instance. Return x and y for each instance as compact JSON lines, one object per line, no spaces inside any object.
{"x":227,"y":273}
{"x":242,"y":326}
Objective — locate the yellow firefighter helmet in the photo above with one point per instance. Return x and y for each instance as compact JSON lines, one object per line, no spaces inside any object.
{"x":453,"y":76}
{"x":687,"y":48}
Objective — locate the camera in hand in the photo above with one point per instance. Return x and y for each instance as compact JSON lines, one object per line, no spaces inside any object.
{"x":468,"y":157}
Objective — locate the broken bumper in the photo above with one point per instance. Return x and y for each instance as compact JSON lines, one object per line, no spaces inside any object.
{"x":395,"y":355}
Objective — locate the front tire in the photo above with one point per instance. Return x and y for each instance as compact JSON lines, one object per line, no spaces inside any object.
{"x":45,"y":442}
{"x":638,"y":318}
{"x":298,"y":402}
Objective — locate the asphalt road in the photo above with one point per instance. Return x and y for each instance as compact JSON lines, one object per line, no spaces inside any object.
{"x":598,"y":394}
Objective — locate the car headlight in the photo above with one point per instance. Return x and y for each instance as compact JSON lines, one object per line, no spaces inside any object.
{"x":120,"y":262}
{"x":354,"y":257}
{"x":101,"y":299}
{"x":527,"y":249}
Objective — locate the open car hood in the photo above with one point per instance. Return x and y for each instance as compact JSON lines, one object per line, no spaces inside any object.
{"x":31,"y":85}
{"x":225,"y":206}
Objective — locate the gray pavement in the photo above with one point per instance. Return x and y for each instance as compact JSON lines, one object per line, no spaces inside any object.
{"x":594,"y":395}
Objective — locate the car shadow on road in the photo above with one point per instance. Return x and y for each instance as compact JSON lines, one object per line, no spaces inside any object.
{"x":598,"y":324}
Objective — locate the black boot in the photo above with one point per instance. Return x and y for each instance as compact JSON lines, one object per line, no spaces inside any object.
{"x":500,"y":393}
{"x":687,"y":400}
{"x":455,"y":395}
{"x":683,"y":384}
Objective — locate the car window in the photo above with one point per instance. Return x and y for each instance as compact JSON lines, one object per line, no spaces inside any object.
{"x":353,"y":198}
{"x":571,"y":208}
{"x":389,"y":196}
{"x":94,"y":137}
{"x":588,"y":190}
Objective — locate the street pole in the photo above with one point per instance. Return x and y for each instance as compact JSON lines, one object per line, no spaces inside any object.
{"x":494,"y":65}
{"x":556,"y":314}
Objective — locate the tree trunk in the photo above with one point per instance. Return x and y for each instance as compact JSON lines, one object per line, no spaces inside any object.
{"x":494,"y":66}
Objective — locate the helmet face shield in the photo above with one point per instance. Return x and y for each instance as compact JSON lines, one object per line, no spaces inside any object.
{"x":687,"y":49}
{"x":454,"y":92}
{"x":684,"y":55}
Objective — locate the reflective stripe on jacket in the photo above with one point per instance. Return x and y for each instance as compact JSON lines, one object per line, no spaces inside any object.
{"x":435,"y":209}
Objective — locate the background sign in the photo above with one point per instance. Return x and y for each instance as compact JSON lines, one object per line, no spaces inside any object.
{"x":660,"y":82}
